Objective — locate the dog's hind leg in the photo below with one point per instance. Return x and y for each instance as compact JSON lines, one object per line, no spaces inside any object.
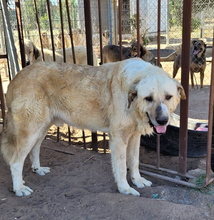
{"x":192,"y":78}
{"x":133,"y":162}
{"x":17,"y":142}
{"x":202,"y":77}
{"x":15,"y":147}
{"x":17,"y":163}
{"x":35,"y":153}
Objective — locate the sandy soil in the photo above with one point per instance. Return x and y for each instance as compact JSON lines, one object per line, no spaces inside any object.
{"x":81,"y":185}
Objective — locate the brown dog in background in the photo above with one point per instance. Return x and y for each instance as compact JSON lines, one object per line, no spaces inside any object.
{"x":197,"y":61}
{"x":145,"y":54}
{"x":111,"y":53}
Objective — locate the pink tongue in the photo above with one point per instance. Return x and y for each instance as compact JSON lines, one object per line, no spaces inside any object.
{"x":160,"y":129}
{"x":195,"y":52}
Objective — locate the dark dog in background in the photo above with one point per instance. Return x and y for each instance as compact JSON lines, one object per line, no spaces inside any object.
{"x":145,"y":54}
{"x":111,"y":53}
{"x":197,"y":61}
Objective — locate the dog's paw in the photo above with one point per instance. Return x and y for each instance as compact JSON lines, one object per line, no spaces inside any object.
{"x":129,"y":191}
{"x":141,"y":182}
{"x":41,"y":170}
{"x":23,"y":191}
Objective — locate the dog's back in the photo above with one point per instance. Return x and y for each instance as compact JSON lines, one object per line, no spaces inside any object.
{"x":111,"y":53}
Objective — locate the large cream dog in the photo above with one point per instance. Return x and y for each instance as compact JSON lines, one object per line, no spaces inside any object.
{"x":124,"y":99}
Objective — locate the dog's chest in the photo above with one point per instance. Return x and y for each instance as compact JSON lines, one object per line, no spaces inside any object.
{"x":197,"y":64}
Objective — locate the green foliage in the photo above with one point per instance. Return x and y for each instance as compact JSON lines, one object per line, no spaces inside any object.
{"x":196,"y":23}
{"x":44,"y":22}
{"x":133,"y":23}
{"x":176,"y":12}
{"x":28,"y":14}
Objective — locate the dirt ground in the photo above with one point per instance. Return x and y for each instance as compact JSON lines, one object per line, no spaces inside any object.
{"x":80,"y":185}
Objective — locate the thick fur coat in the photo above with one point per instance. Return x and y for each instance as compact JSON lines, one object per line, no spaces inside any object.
{"x":124,"y":99}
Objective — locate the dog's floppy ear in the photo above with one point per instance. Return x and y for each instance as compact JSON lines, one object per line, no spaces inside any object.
{"x":181,"y":91}
{"x":205,"y":47}
{"x":142,"y":51}
{"x":36,"y":52}
{"x":132,"y":94}
{"x":193,"y":42}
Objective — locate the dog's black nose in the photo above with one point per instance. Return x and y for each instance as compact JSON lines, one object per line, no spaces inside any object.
{"x":27,"y":63}
{"x":162,"y":120}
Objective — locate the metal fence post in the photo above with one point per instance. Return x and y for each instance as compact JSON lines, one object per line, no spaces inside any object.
{"x":185,"y":65}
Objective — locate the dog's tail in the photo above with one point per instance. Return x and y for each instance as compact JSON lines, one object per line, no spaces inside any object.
{"x":8,"y":144}
{"x":176,"y":65}
{"x":175,"y":71}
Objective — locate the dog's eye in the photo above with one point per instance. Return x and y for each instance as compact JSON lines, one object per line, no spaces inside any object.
{"x":168,"y":97}
{"x":149,"y":99}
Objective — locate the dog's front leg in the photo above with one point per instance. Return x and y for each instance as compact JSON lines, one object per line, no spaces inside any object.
{"x":133,"y":162}
{"x":118,"y":155}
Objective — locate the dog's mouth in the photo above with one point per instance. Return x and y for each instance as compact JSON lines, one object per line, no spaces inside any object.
{"x":159,"y":129}
{"x":197,"y":50}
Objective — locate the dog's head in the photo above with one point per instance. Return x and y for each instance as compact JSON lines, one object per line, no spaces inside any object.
{"x":199,"y":47}
{"x":32,"y":53}
{"x":134,"y":46}
{"x":106,"y":34}
{"x":154,"y":97}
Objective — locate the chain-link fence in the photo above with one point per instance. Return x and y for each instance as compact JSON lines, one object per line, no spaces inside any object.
{"x":170,"y":27}
{"x":106,"y":18}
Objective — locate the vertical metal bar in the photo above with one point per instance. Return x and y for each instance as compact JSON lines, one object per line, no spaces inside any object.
{"x":69,"y":135}
{"x":70,"y":31}
{"x":39,"y":28}
{"x":53,"y":49}
{"x":110,"y":20}
{"x":158,"y":32}
{"x":72,"y":48}
{"x":120,"y":26}
{"x":62,"y":31}
{"x":101,"y":57}
{"x":88,"y":28}
{"x":2,"y":99}
{"x":114,"y":22}
{"x":20,"y":32}
{"x":185,"y":65}
{"x":100,"y":31}
{"x":58,"y":134}
{"x":210,"y":119}
{"x":104,"y":140}
{"x":51,"y":29}
{"x":138,"y":27}
{"x":84,"y":140}
{"x":13,"y":66}
{"x":158,"y":151}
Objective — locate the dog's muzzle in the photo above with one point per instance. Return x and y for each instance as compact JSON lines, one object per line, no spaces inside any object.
{"x":162,"y":124}
{"x":197,"y":50}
